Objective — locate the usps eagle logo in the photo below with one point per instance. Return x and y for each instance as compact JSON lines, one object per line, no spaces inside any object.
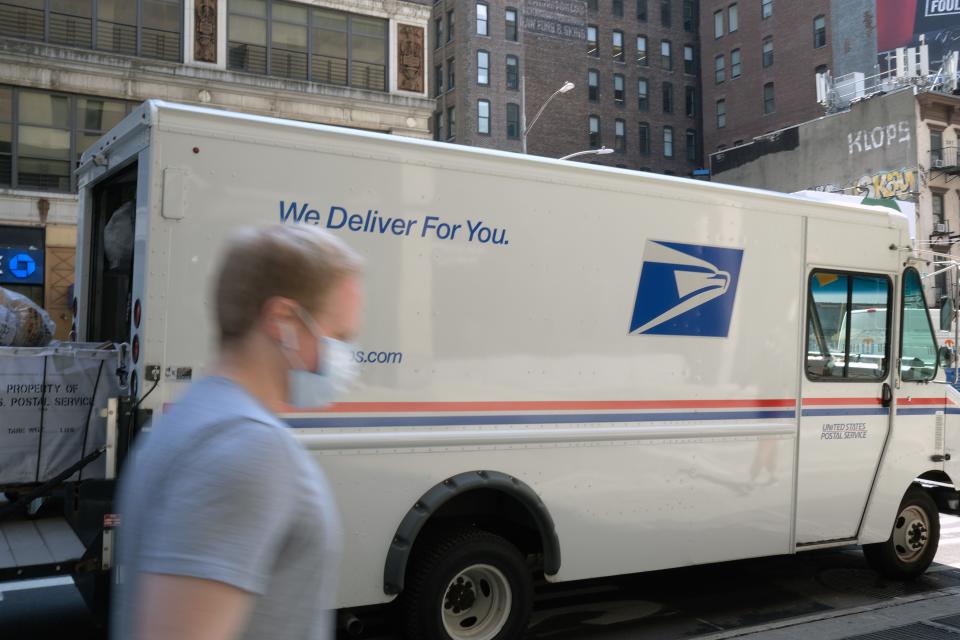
{"x":686,"y":290}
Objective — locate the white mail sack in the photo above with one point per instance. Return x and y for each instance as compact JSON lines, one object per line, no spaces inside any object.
{"x":50,"y":411}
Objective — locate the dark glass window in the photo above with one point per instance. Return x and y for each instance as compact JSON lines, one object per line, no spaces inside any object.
{"x":666,"y":12}
{"x":819,"y":32}
{"x":667,"y":97}
{"x":511,"y":24}
{"x":690,"y":95}
{"x":618,"y":89}
{"x":309,"y":43}
{"x":769,"y":104}
{"x":513,"y":72}
{"x":643,"y":139}
{"x":513,"y":121}
{"x":620,"y":136}
{"x":642,"y":10}
{"x":593,"y":85}
{"x":593,"y":126}
{"x":643,"y":94}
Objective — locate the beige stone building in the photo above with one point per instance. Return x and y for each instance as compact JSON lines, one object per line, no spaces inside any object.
{"x":71,"y":69}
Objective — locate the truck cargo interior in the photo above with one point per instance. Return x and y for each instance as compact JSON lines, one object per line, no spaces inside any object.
{"x":113,"y":206}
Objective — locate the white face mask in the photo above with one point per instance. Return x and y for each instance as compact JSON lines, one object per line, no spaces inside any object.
{"x":336,"y":369}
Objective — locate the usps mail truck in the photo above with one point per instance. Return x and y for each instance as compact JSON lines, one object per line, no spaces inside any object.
{"x":589,"y":370}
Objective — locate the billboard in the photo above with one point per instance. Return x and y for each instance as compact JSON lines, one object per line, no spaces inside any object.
{"x":901,"y":23}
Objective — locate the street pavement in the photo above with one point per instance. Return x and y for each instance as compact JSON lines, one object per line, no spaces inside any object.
{"x":826,"y":595}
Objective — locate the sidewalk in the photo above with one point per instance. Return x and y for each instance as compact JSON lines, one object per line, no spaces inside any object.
{"x":931,"y":616}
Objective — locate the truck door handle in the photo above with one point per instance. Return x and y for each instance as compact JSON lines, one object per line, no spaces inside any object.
{"x":886,"y":395}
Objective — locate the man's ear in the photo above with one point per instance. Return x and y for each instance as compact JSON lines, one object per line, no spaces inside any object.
{"x":288,"y":336}
{"x":278,"y":322}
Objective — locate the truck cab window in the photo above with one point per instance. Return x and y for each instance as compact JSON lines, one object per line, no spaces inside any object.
{"x":918,"y":346}
{"x":847,"y":327}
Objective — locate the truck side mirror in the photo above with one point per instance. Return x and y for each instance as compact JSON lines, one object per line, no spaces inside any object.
{"x":947,"y":309}
{"x":946,"y":356}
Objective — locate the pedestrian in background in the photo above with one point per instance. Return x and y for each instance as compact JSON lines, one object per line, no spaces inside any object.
{"x":228,"y":527}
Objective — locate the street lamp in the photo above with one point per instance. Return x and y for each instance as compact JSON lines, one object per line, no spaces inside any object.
{"x":602,"y":151}
{"x":567,"y":86}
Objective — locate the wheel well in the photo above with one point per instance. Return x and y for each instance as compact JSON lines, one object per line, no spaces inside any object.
{"x":490,"y":510}
{"x":488,"y":500}
{"x":936,"y":476}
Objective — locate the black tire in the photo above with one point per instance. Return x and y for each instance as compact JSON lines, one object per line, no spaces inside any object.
{"x":893,"y":559}
{"x":440,"y":559}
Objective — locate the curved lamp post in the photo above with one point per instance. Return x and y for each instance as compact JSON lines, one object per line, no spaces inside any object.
{"x":602,"y":151}
{"x":567,"y":86}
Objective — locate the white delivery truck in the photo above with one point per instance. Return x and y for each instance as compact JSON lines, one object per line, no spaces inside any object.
{"x":604,"y":371}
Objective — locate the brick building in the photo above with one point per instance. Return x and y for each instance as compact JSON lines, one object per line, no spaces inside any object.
{"x":760,"y":59}
{"x":634,"y":64}
{"x":71,"y":69}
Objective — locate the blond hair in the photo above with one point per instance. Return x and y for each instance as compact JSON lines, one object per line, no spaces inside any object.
{"x":298,"y":262}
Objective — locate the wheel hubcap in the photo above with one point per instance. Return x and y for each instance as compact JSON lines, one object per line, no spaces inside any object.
{"x":911,"y":533}
{"x":476,"y":604}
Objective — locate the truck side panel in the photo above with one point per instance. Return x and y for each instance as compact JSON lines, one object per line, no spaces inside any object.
{"x":510,"y":349}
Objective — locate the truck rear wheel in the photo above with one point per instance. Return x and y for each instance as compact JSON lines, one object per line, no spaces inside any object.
{"x":467,"y":585}
{"x":913,"y":541}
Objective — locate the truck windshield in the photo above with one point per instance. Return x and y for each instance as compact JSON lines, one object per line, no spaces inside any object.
{"x":918,"y":345}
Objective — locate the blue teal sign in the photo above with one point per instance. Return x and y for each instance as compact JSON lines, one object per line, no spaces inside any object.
{"x":21,"y":265}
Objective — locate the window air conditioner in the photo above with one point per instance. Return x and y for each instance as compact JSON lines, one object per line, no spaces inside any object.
{"x":938,"y":163}
{"x":940,"y":227}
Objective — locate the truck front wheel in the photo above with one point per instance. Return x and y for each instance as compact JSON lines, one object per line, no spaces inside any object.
{"x":467,"y":585}
{"x":913,"y":541}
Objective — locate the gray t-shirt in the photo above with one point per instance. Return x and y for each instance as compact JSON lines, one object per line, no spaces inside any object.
{"x":219,"y":489}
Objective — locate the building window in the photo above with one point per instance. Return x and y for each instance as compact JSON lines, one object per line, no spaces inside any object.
{"x":145,"y":28}
{"x":643,"y":138}
{"x":668,"y":142}
{"x":735,"y":63}
{"x":593,"y":85}
{"x":936,"y":145}
{"x":451,"y":76}
{"x":643,"y":94}
{"x":767,"y":51}
{"x":769,"y":106}
{"x":618,"y":8}
{"x":438,"y":126}
{"x":689,"y":63}
{"x":483,"y":117}
{"x":618,"y":89}
{"x":666,"y":55}
{"x":438,"y":79}
{"x":308,"y":43}
{"x":618,"y":46}
{"x":620,"y":136}
{"x":592,"y":5}
{"x":689,"y":16}
{"x":451,"y":123}
{"x":642,"y":10}
{"x":937,"y":202}
{"x":665,"y":13}
{"x":483,"y":67}
{"x":513,"y":72}
{"x":592,"y":48}
{"x":438,"y":32}
{"x":766,"y":8}
{"x":483,"y":28}
{"x":642,"y":58}
{"x":719,"y":69}
{"x":721,"y":114}
{"x":691,"y":145}
{"x":819,"y":32}
{"x":667,"y":97}
{"x":43,"y":135}
{"x":593,"y":122}
{"x":513,"y":121}
{"x":690,"y":102}
{"x":449,"y":26}
{"x":511,"y":26}
{"x":718,"y":24}
{"x":733,"y":18}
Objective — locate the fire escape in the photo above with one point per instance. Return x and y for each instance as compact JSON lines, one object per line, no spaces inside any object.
{"x":943,"y":162}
